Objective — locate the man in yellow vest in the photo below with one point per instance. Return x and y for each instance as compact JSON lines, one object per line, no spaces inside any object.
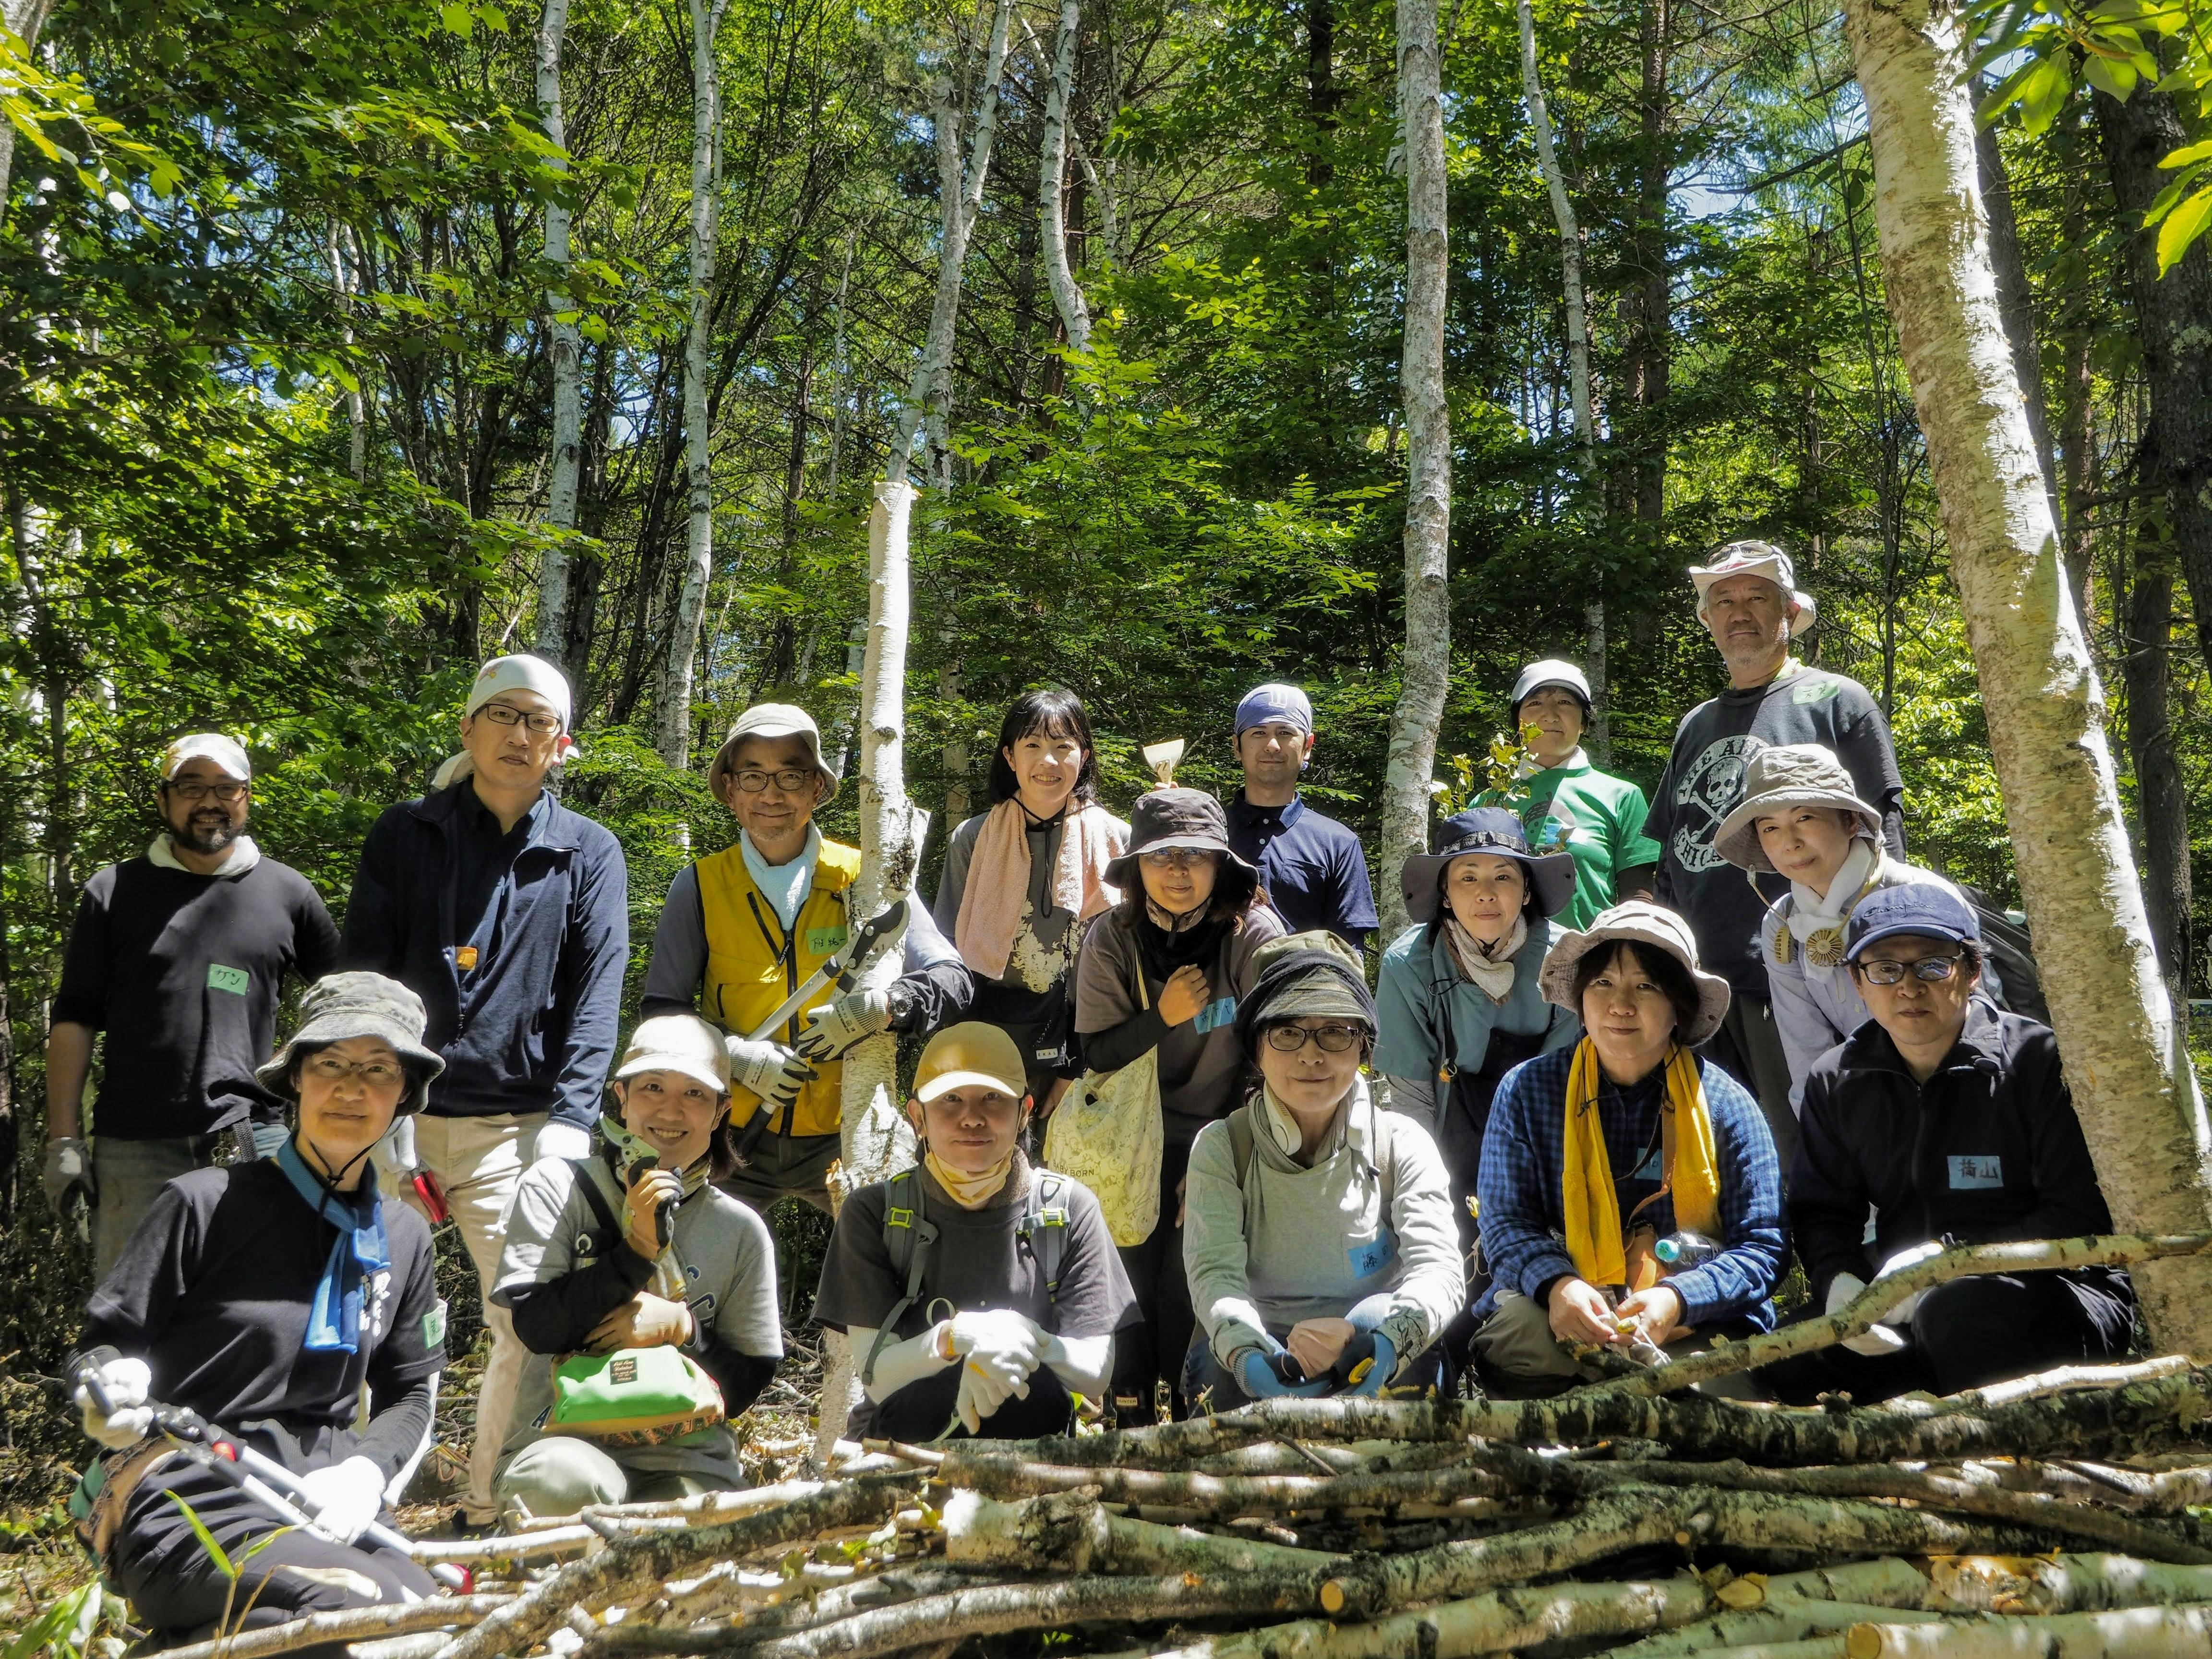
{"x":746,"y":927}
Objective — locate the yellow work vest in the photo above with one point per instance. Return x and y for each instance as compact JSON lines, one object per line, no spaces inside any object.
{"x":753,"y":966}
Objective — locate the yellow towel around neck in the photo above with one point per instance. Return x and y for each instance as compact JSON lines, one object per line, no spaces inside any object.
{"x":1689,"y":1168}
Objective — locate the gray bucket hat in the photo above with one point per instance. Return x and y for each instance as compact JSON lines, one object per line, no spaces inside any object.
{"x":1639,"y":921}
{"x":1165,"y":819}
{"x":341,"y":1006}
{"x":1788,"y":775}
{"x":1496,"y":831}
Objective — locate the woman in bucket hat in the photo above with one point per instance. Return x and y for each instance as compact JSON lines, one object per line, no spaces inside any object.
{"x":265,"y":1296}
{"x":1164,"y":970}
{"x":1321,"y":1249}
{"x":1801,"y":819}
{"x":1569,"y":805}
{"x":589,"y":1269}
{"x":1458,"y":996}
{"x":1630,"y":1193}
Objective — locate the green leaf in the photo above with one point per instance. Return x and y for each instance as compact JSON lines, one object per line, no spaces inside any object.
{"x":67,"y":1625}
{"x":2183,"y":226}
{"x":207,"y":1539}
{"x":2188,"y":154}
{"x":458,"y":19}
{"x":2108,"y":76}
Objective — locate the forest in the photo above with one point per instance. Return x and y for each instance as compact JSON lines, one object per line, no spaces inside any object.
{"x":343,"y":346}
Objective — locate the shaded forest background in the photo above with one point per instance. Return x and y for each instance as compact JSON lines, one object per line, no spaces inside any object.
{"x":275,"y":407}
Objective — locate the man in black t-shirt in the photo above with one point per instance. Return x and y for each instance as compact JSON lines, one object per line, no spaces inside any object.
{"x":1749,"y":601}
{"x":180,"y":956}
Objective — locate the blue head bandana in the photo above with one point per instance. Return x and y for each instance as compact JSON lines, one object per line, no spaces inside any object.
{"x":359,"y":1252}
{"x":1265,"y":704}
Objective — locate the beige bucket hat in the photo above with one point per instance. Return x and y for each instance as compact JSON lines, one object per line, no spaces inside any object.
{"x":1639,"y":921}
{"x":1788,"y":775}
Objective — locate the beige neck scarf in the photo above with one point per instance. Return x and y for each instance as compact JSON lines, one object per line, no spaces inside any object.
{"x":1490,"y":967}
{"x":970,"y":1192}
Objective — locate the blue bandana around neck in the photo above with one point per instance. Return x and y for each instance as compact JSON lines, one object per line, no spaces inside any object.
{"x":360,"y":1251}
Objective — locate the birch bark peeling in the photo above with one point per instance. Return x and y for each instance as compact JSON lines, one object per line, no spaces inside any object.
{"x":2125,"y":1057}
{"x":565,"y":352}
{"x":1052,"y":206}
{"x":1425,"y":668}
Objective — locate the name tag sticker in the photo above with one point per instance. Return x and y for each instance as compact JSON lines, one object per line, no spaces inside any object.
{"x":1216,"y":1015}
{"x":236,"y":981}
{"x":465,"y":958}
{"x":433,"y":1326}
{"x":825,"y":941}
{"x":1372,"y":1257}
{"x":1984,"y":1172}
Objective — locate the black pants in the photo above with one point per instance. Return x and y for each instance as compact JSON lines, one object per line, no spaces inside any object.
{"x":181,"y":1593}
{"x":1146,"y":1352}
{"x":1972,"y":1332}
{"x":921,"y":1412}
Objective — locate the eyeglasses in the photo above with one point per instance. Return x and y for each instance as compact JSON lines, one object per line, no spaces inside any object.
{"x":500,"y":713}
{"x":1934,"y":970}
{"x":791,"y":780}
{"x":377,"y":1073}
{"x":1176,"y":858}
{"x":1331,"y":1039}
{"x":228,"y":794}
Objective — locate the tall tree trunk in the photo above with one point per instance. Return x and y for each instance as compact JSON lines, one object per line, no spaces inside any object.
{"x":1320,"y":88}
{"x":1578,"y":360}
{"x":876,"y":1140}
{"x":24,"y":19}
{"x":2174,"y":320}
{"x":1075,"y":315}
{"x":1426,"y":667}
{"x":565,"y":349}
{"x":2162,"y":803}
{"x":2016,"y":301}
{"x":2126,"y":1060}
{"x":676,"y":672}
{"x":343,"y":287}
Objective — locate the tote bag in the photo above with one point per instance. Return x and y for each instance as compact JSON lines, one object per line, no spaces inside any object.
{"x":1107,"y":1133}
{"x":633,"y":1397}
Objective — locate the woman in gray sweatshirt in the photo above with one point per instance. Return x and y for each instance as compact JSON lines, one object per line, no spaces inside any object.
{"x":1318,"y":1235}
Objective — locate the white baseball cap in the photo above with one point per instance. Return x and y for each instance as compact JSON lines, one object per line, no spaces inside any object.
{"x":206,"y":745}
{"x":678,"y":1042}
{"x":520,"y":672}
{"x":1551,"y":670}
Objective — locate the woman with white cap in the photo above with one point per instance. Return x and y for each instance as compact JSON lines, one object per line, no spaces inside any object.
{"x":635,"y":1248}
{"x":1458,"y":1000}
{"x":1630,"y":1195}
{"x":269,"y":1297}
{"x":1801,"y":819}
{"x":1568,"y":805}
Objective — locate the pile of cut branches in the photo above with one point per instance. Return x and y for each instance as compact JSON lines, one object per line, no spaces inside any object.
{"x":2049,"y":1514}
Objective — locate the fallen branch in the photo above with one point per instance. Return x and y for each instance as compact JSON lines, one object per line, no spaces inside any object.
{"x":1069,"y":1530}
{"x":350,"y":1625}
{"x":2134,"y":1633}
{"x":1227,"y":1497}
{"x":2066,"y":1583}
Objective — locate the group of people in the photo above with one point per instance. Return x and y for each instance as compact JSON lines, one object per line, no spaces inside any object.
{"x":1627,"y":1054}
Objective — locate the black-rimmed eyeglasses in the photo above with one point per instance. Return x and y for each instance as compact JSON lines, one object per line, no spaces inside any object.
{"x":1883,"y":970}
{"x":1330,"y":1039}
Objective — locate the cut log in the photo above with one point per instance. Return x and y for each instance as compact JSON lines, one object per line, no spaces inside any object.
{"x":2066,"y":1583}
{"x":1069,"y":1530}
{"x":352,"y":1624}
{"x":2134,"y":1633}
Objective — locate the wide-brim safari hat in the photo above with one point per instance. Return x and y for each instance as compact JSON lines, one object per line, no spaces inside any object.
{"x":1639,"y":921}
{"x":1494,"y":831}
{"x":1788,"y":775}
{"x":773,"y":720}
{"x":341,"y":1006}
{"x":1165,"y":819}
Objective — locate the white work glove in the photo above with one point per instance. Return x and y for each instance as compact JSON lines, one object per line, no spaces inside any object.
{"x":128,"y":1385}
{"x":997,"y":1350}
{"x":68,"y":1169}
{"x":840,"y":1023}
{"x":342,"y":1500}
{"x":1902,"y":1314}
{"x":1876,"y":1339}
{"x":771,"y":1071}
{"x":559,"y":1139}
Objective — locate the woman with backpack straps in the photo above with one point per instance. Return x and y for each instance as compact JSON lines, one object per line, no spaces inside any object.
{"x":1319,"y":1238}
{"x":980,"y":1293}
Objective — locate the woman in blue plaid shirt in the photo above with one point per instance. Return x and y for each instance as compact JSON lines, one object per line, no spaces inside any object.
{"x":1630,"y":1198}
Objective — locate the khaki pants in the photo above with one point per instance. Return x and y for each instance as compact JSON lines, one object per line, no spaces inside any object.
{"x":1518,"y":1348}
{"x":128,"y":1175}
{"x":561,"y":1474}
{"x":479,"y":1161}
{"x":785,"y":1166}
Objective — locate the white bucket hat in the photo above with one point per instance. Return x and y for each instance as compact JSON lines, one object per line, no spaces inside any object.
{"x":678,"y":1042}
{"x":1639,"y":921}
{"x":1756,"y":559}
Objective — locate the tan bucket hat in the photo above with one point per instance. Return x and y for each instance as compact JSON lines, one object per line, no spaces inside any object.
{"x":773,"y":720}
{"x":1788,"y":775}
{"x":1639,"y":921}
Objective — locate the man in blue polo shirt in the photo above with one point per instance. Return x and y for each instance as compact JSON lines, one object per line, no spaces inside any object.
{"x":1313,"y":867}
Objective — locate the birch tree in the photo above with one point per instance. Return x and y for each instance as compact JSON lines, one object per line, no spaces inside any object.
{"x":675,"y":710}
{"x":565,"y":353}
{"x":876,"y":1140}
{"x":23,"y":18}
{"x":1427,"y":662}
{"x":1578,"y":352}
{"x":1052,"y":206}
{"x":2126,"y":1060}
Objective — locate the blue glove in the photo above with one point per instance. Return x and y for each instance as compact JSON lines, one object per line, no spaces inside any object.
{"x":1258,"y":1376}
{"x":1380,"y":1371}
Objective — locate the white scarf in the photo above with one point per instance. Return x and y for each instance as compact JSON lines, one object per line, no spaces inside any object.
{"x":785,"y":886}
{"x":1814,"y":923}
{"x":1489,"y":966}
{"x":242,"y":856}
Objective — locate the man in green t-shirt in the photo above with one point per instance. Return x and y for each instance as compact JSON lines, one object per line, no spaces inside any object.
{"x":1596,"y":817}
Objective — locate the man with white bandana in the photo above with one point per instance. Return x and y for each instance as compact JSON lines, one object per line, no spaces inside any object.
{"x":180,"y":958}
{"x":508,"y":915}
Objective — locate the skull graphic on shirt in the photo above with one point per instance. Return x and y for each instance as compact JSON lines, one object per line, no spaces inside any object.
{"x":1710,"y":788}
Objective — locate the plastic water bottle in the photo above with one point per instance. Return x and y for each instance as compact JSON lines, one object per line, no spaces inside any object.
{"x":1686,"y":1249}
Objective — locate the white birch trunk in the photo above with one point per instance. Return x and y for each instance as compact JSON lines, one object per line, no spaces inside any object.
{"x":1075,"y":315}
{"x":565,"y":353}
{"x":341,"y":282}
{"x":1427,"y":667}
{"x":2125,"y":1056}
{"x":1578,"y":354}
{"x":24,"y":19}
{"x":876,"y":1140}
{"x":675,"y":710}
